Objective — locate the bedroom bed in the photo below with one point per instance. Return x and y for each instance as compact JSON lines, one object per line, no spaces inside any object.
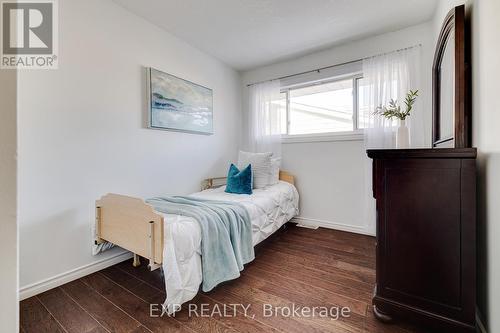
{"x":173,"y":241}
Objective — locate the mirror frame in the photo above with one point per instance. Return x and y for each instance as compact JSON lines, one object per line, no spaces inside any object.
{"x":454,"y":22}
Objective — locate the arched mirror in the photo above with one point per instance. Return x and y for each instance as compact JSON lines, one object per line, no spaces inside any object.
{"x":451,"y":95}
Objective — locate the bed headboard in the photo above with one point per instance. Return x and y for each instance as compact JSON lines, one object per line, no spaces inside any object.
{"x":287,"y":177}
{"x":220,"y":181}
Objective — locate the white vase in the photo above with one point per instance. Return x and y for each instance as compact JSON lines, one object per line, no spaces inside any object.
{"x":403,"y":136}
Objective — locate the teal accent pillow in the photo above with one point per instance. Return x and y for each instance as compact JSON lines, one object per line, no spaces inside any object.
{"x":239,"y":182}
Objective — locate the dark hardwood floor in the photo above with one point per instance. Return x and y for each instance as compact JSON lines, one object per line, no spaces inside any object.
{"x":308,"y":268}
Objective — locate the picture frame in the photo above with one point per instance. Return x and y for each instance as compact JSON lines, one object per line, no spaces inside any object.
{"x":176,"y":104}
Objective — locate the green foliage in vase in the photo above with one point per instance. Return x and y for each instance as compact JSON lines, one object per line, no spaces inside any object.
{"x":393,"y":109}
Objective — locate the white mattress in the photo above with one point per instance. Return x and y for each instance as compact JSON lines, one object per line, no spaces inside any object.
{"x":269,"y":208}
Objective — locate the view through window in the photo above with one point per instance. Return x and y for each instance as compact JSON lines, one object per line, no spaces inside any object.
{"x":336,"y":105}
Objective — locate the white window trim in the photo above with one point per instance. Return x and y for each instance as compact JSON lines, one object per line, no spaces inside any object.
{"x":357,"y":135}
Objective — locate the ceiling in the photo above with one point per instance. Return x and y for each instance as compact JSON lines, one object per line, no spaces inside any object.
{"x":250,"y":33}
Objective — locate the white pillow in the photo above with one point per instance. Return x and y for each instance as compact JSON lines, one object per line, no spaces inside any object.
{"x":261,"y":167}
{"x":275,"y":170}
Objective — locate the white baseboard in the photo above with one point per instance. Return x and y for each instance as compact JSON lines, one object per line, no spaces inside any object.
{"x":332,"y":225}
{"x":60,"y":279}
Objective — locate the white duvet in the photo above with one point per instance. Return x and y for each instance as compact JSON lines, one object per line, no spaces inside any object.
{"x":269,"y":208}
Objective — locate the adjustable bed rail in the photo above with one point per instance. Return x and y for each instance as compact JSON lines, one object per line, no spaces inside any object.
{"x":131,"y":224}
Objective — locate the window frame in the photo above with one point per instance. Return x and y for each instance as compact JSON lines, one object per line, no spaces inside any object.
{"x":354,"y":135}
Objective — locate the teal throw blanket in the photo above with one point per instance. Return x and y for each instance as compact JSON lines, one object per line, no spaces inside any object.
{"x":226,"y":234}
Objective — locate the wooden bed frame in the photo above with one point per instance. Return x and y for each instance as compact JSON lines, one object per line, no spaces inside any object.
{"x":135,"y":226}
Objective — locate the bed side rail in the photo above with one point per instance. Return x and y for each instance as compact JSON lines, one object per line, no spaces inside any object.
{"x":131,"y":224}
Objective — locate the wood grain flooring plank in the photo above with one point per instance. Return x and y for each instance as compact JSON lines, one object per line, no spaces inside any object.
{"x":68,"y":313}
{"x":142,"y":329}
{"x":100,"y":329}
{"x":343,"y":246}
{"x":296,"y":295}
{"x":319,"y":250}
{"x":320,"y":280}
{"x":131,"y":304}
{"x":131,"y":283}
{"x":335,"y":235}
{"x":322,"y":295}
{"x":234,"y":316}
{"x":154,"y":295}
{"x":250,"y":290}
{"x":35,"y":318}
{"x":199,"y":323}
{"x":365,"y":274}
{"x":106,"y":313}
{"x":238,"y":318}
{"x":142,"y":272}
{"x":306,"y":267}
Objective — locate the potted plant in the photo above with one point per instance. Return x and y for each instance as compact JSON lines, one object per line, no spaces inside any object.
{"x":393,"y":110}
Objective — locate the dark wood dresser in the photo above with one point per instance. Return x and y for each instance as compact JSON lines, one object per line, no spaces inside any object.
{"x":426,"y":236}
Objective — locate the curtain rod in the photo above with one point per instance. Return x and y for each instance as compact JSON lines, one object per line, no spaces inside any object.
{"x":332,"y":66}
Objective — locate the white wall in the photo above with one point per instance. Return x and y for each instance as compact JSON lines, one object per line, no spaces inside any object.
{"x":81,"y":133}
{"x":330,"y":175}
{"x":9,"y":319}
{"x":486,"y":137}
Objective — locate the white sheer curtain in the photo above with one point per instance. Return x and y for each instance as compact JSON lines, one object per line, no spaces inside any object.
{"x":386,"y":77}
{"x":265,"y":118}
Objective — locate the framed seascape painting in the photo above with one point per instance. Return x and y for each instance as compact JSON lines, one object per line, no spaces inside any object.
{"x":179,"y":105}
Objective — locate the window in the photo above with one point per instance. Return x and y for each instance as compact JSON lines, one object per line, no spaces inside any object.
{"x":330,"y":106}
{"x":363,"y":91}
